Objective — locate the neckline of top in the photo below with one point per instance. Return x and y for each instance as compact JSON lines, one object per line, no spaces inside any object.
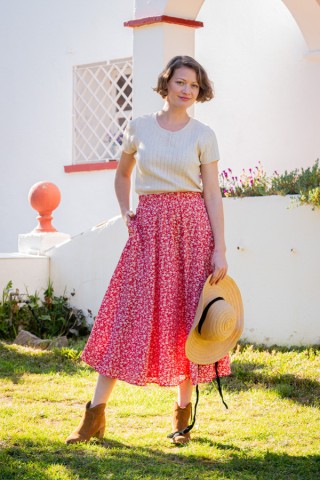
{"x":155,"y":115}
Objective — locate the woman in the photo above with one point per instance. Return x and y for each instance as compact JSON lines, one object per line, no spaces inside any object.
{"x":176,"y":239}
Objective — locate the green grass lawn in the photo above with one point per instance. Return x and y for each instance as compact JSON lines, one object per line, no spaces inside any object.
{"x":271,"y":430}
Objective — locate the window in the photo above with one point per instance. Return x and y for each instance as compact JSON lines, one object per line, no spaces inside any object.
{"x":102,"y":107}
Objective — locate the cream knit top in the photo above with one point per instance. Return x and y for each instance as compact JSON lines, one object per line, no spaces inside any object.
{"x":169,"y":161}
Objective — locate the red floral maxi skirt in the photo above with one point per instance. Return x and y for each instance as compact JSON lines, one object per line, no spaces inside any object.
{"x":141,"y":328}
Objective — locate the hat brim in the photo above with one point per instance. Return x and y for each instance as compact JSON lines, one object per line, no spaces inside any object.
{"x":204,"y":352}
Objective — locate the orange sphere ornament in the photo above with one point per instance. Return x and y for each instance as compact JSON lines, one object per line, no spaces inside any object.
{"x":44,"y":197}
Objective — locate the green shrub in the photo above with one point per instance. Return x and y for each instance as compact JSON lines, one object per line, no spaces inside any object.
{"x":255,"y":182}
{"x":311,"y":197}
{"x":49,"y":317}
{"x":285,"y":184}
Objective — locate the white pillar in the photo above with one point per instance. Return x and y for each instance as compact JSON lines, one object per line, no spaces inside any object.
{"x":162,"y":29}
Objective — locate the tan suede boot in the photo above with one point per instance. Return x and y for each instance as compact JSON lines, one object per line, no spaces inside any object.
{"x":92,"y":424}
{"x":180,"y":420}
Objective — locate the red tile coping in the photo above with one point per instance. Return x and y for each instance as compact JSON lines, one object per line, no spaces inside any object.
{"x":91,"y":167}
{"x":142,"y":22}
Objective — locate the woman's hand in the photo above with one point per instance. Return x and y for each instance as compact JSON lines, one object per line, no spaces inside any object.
{"x":127,"y":216}
{"x":219,"y":267}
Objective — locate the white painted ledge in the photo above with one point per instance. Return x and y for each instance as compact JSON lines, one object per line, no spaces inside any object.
{"x":27,"y":272}
{"x":36,"y":243}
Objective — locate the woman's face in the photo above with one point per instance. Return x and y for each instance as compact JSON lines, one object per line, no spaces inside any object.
{"x":183,"y":88}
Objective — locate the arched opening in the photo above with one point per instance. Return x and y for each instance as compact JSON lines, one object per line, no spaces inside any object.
{"x":307,"y":17}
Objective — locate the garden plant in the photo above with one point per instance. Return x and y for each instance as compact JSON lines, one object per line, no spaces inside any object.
{"x":45,"y":316}
{"x":304,"y":183}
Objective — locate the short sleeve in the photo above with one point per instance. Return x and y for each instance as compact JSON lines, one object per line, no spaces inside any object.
{"x":209,"y":151}
{"x":128,"y":142}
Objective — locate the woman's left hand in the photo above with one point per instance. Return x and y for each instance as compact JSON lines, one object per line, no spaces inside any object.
{"x":219,"y":267}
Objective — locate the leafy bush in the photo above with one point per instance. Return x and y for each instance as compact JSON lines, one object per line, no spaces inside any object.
{"x":49,"y":317}
{"x":311,"y":197}
{"x":302,"y":182}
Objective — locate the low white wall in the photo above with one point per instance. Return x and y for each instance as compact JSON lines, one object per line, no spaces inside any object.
{"x":272,"y":254}
{"x":27,"y":272}
{"x":87,"y":262}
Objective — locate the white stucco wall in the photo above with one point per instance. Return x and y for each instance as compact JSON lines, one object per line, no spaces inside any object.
{"x":41,"y":42}
{"x":28,"y":273}
{"x":272,"y":251}
{"x":87,"y":262}
{"x":267,"y":94}
{"x":266,"y":108}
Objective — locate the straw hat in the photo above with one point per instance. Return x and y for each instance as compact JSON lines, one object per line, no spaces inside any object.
{"x":219,"y":318}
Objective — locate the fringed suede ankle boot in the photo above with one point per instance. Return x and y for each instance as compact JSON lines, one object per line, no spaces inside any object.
{"x":92,"y":424}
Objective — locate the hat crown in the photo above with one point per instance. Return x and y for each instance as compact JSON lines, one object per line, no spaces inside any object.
{"x":219,"y":323}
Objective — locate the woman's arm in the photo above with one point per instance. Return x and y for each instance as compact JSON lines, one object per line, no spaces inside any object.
{"x":122,"y":184}
{"x":213,"y":203}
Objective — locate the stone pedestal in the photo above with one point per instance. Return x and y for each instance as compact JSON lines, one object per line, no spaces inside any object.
{"x":39,"y":243}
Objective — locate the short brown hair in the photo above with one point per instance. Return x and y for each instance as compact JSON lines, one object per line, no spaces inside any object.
{"x":206,"y":88}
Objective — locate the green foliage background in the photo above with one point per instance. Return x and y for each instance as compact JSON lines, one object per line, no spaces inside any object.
{"x":47,"y":317}
{"x":305,"y":183}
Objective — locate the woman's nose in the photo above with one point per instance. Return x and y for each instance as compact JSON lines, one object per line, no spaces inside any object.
{"x":186,"y":88}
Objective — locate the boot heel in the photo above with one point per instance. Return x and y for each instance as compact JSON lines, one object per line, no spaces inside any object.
{"x":100,"y":433}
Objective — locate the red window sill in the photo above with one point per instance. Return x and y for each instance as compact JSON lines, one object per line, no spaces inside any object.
{"x":91,"y":167}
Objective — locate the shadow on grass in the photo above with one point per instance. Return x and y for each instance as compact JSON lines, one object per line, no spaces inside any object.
{"x":246,"y":376}
{"x":111,"y":459}
{"x":14,"y":362}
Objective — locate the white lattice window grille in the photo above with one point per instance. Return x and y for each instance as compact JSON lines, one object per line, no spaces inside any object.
{"x":102,"y":107}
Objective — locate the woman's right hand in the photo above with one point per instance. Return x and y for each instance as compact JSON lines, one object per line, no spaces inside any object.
{"x":128,"y":216}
